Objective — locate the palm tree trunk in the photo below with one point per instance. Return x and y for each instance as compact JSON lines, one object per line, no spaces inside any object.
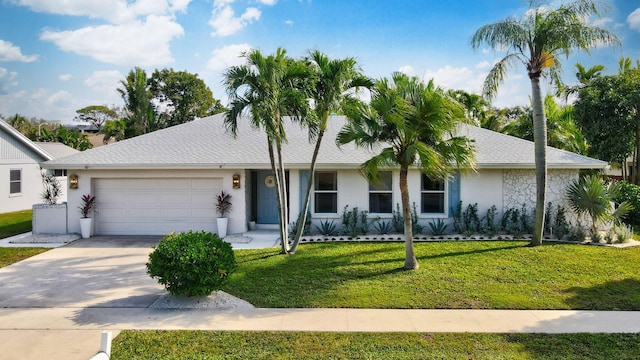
{"x":307,"y":197}
{"x":282,"y":192}
{"x":540,"y":145}
{"x":284,"y":244}
{"x":410,"y":262}
{"x":636,"y":164}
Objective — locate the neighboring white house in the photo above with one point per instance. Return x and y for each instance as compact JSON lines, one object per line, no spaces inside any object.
{"x":20,"y":174}
{"x":167,"y":180}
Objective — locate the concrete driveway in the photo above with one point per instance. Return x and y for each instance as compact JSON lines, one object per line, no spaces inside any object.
{"x":96,"y":272}
{"x":101,"y":272}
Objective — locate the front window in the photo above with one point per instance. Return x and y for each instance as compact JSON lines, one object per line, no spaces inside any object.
{"x":15,"y":181}
{"x":59,"y":172}
{"x":326,"y":192}
{"x":432,"y":196}
{"x":381,"y":195}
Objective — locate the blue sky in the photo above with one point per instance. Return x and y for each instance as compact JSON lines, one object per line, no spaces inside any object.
{"x":57,"y":56}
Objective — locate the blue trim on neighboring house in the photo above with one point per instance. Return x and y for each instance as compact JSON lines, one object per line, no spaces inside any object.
{"x":454,"y":193}
{"x":304,"y":179}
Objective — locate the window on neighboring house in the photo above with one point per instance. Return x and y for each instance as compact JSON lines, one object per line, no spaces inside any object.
{"x":326,"y":192}
{"x":432,"y":195}
{"x":381,"y":195}
{"x":59,"y":172}
{"x":15,"y":181}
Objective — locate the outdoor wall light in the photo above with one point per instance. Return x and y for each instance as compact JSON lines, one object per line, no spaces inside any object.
{"x":236,"y":181}
{"x":73,"y":181}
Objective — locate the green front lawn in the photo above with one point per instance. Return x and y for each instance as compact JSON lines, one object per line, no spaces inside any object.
{"x":131,"y":344}
{"x":12,"y":255}
{"x":15,"y":223}
{"x":453,"y":275}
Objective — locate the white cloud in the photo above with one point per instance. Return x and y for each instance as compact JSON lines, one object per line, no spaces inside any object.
{"x":114,"y":11}
{"x":7,"y":80}
{"x":289,"y":22}
{"x":65,"y":77}
{"x":634,"y":19}
{"x":227,"y":56}
{"x":456,"y":78}
{"x":106,"y":81}
{"x":139,"y":43}
{"x":42,"y":103}
{"x":224,"y":21}
{"x":268,"y":2}
{"x":483,"y":65}
{"x":407,"y":69}
{"x":10,"y":52}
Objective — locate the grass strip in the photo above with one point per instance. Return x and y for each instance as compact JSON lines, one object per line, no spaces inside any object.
{"x":15,"y":223}
{"x":132,"y":344}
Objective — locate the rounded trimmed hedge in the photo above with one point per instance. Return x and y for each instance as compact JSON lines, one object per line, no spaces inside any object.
{"x":191,"y":263}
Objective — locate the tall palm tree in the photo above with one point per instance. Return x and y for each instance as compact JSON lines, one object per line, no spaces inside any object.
{"x":415,"y":124}
{"x":536,"y":40}
{"x":135,"y":92}
{"x":334,"y":82}
{"x":269,"y":88}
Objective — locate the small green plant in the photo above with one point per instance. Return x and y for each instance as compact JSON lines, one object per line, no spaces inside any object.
{"x":560,"y":225}
{"x":383,"y":227}
{"x":609,"y":236}
{"x":223,"y":203}
{"x":415,"y":221}
{"x":577,"y":233}
{"x":438,"y":227}
{"x":293,"y":227}
{"x":191,"y":263}
{"x":457,"y":218}
{"x":87,"y":204}
{"x":398,"y":220}
{"x":623,"y":233}
{"x":354,"y":222}
{"x":327,"y":227}
{"x":525,"y":222}
{"x":52,"y":189}
{"x":489,"y":221}
{"x":470,"y":219}
{"x":596,"y":237}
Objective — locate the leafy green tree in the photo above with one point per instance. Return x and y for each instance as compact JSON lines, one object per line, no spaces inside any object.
{"x":98,"y":115}
{"x":562,"y":131}
{"x":180,"y":96}
{"x":536,"y":40}
{"x":269,"y":88}
{"x":23,"y":125}
{"x":114,"y":129}
{"x":333,"y":84}
{"x":415,"y":124}
{"x":608,"y":113}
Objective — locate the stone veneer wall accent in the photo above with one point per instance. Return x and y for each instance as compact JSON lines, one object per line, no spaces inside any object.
{"x":519,"y":186}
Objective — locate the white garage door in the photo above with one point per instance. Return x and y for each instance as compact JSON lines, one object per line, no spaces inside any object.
{"x":155,"y":206}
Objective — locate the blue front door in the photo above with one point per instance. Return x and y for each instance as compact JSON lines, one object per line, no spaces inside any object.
{"x":267,"y":199}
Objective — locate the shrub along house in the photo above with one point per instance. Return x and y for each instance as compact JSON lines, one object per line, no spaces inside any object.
{"x":167,"y":180}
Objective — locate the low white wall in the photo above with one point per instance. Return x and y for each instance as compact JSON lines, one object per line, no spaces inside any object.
{"x":49,"y":219}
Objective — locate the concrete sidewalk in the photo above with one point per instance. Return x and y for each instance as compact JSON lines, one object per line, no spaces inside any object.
{"x":74,"y":333}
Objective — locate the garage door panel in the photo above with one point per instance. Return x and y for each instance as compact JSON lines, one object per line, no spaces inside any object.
{"x":155,"y":206}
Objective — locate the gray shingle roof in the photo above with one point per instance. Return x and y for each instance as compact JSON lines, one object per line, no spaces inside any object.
{"x":56,"y":149}
{"x":205,"y":143}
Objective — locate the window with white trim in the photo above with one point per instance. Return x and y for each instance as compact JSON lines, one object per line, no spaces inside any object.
{"x":59,"y":172}
{"x":433,"y":196}
{"x":381,"y":194}
{"x":326,"y":192}
{"x":15,"y":181}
